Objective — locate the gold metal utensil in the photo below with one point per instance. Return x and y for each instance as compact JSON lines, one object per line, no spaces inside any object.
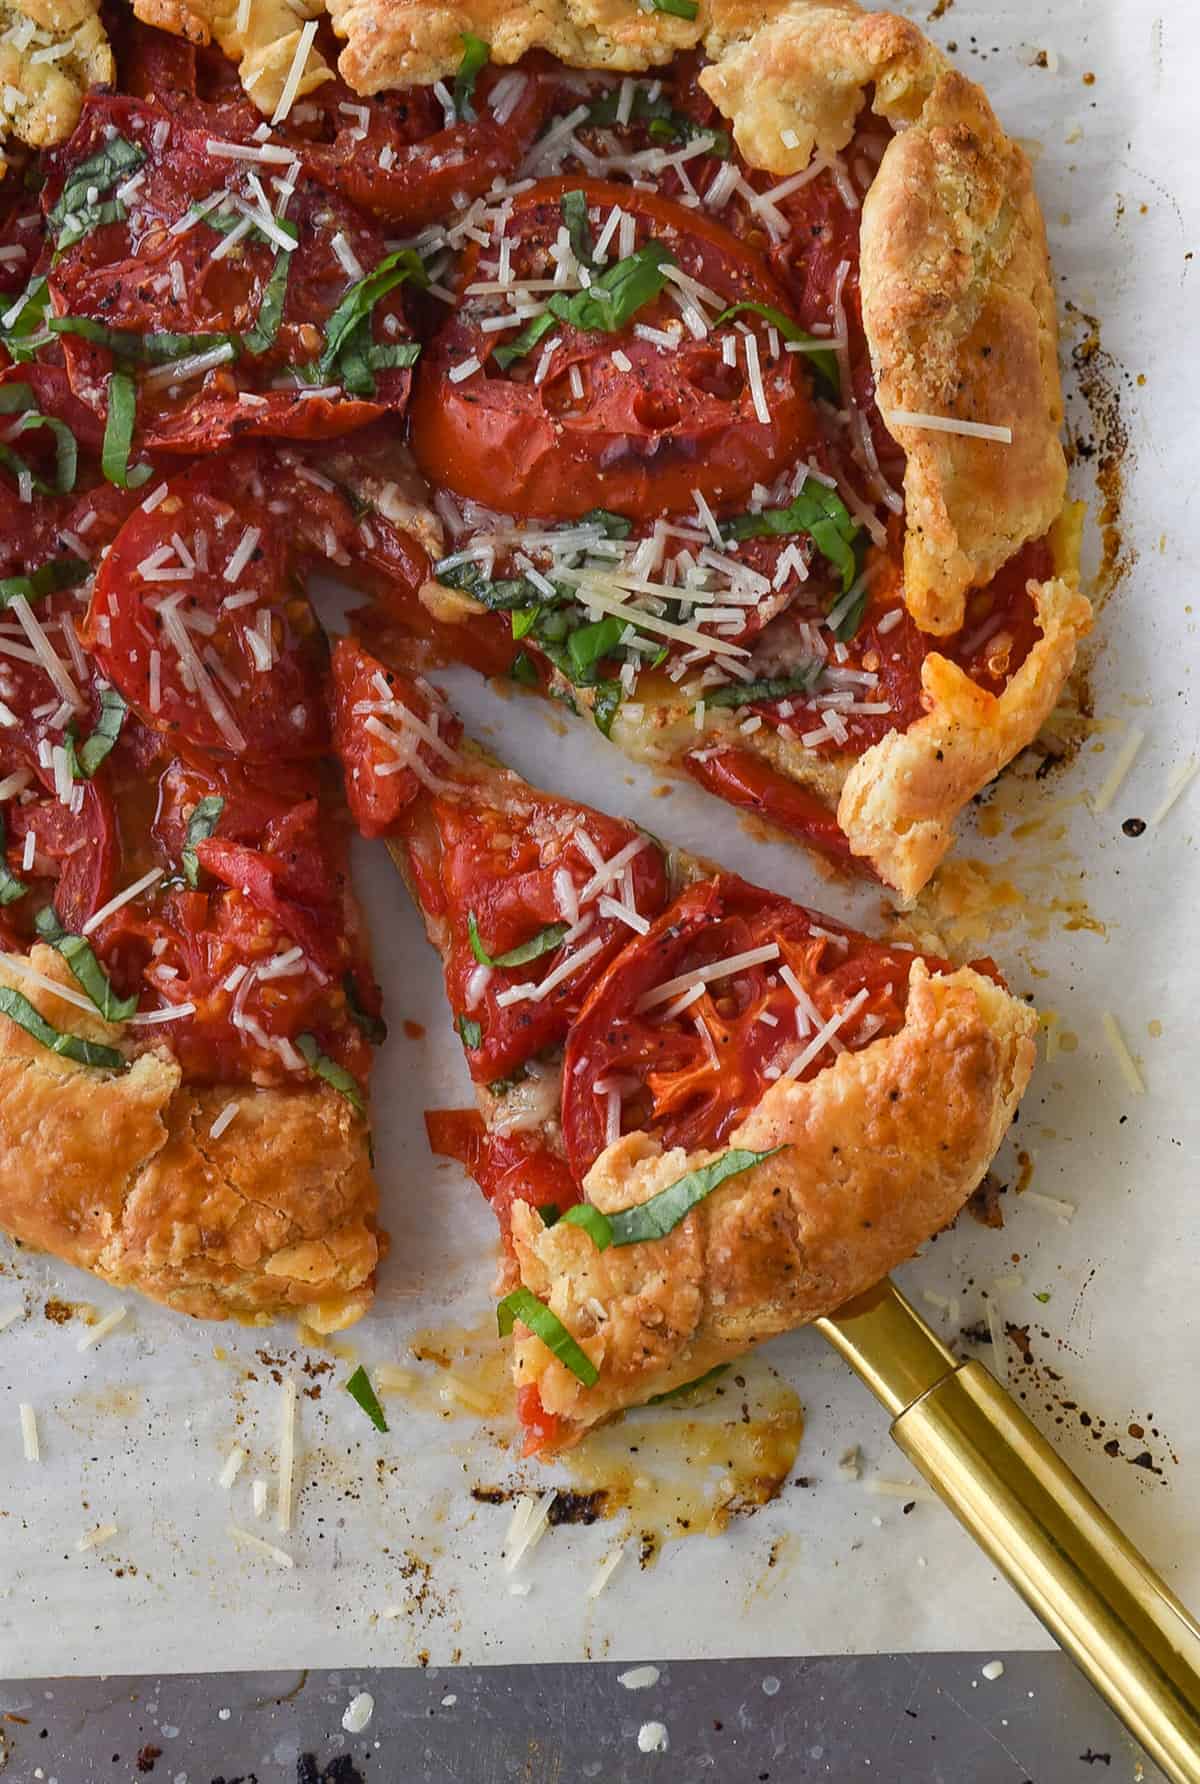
{"x":1098,"y":1597}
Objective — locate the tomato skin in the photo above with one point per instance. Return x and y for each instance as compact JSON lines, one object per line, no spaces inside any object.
{"x":507,"y":1167}
{"x":278,"y":711}
{"x":543,"y":1430}
{"x":748,"y":782}
{"x":378,"y":801}
{"x":85,"y":847}
{"x":641,"y":441}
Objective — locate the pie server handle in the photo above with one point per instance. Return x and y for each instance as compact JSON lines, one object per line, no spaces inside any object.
{"x":1099,"y":1598}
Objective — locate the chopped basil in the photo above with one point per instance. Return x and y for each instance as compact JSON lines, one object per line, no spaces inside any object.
{"x":360,"y":1390}
{"x":524,"y":1305}
{"x":118,"y":434}
{"x":679,"y":9}
{"x":89,"y":755}
{"x":503,"y":596}
{"x":606,"y":704}
{"x":11,"y":888}
{"x":665,"y":124}
{"x":158,"y":348}
{"x":62,"y":572}
{"x":818,"y":511}
{"x":374,"y":1027}
{"x":533,"y":949}
{"x":206,"y":815}
{"x":356,"y":306}
{"x":746,"y":693}
{"x":70,"y":1046}
{"x":573,"y":206}
{"x":28,"y":317}
{"x":824,"y":359}
{"x":613,"y":526}
{"x":336,"y":1076}
{"x":261,"y":338}
{"x":79,"y":208}
{"x":550,"y":1213}
{"x":475,"y":57}
{"x":470,"y":1033}
{"x":523,"y":671}
{"x":610,"y":302}
{"x":66,"y":451}
{"x":590,"y":644}
{"x":687,"y":1387}
{"x":597,"y":1226}
{"x":846,"y":614}
{"x":663,"y":1212}
{"x":77,"y":951}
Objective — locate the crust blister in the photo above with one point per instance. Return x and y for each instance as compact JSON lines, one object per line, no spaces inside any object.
{"x":881,"y":1149}
{"x":118,"y":1173}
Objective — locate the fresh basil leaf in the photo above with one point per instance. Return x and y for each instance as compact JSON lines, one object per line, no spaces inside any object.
{"x":261,"y":338}
{"x":524,"y":1305}
{"x":118,"y":434}
{"x":525,"y":341}
{"x":360,"y":1390}
{"x":846,"y":614}
{"x":78,"y":209}
{"x":590,"y":1220}
{"x":28,"y":318}
{"x":613,"y":299}
{"x":158,"y":348}
{"x":89,"y":755}
{"x":374,"y":1027}
{"x":71,"y":1046}
{"x":550,"y":1213}
{"x":818,"y":511}
{"x":777,"y":687}
{"x":475,"y":57}
{"x":824,"y":359}
{"x":665,"y":124}
{"x":66,"y":451}
{"x":11,"y":888}
{"x":663,"y":1212}
{"x":523,"y":671}
{"x":537,"y":945}
{"x":678,"y":9}
{"x":469,"y":1033}
{"x":206,"y":815}
{"x":606,"y":704}
{"x":590,"y":644}
{"x":687,"y":1387}
{"x":61,"y":572}
{"x":78,"y":953}
{"x":362,"y":297}
{"x":523,"y":620}
{"x":336,"y":1076}
{"x":574,"y":208}
{"x":613,"y":526}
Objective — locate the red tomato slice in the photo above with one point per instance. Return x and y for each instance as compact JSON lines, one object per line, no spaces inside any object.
{"x":638,"y":441}
{"x":370,"y":738}
{"x":244,"y":679}
{"x":695,"y":1074}
{"x":507,"y":1167}
{"x":747,"y":781}
{"x":80,"y":850}
{"x":153,"y":273}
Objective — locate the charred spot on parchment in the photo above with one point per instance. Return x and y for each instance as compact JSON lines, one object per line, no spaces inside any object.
{"x":1102,"y":442}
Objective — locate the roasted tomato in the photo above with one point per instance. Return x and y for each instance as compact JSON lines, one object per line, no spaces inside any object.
{"x":747,"y":781}
{"x":155,"y":284}
{"x":650,"y":1051}
{"x":78,"y":851}
{"x":508,"y":1168}
{"x":390,"y":736}
{"x":622,"y":419}
{"x":191,"y":618}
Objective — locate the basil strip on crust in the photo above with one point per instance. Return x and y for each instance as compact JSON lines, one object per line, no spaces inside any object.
{"x":335,"y":1075}
{"x":524,"y":1305}
{"x":77,"y":951}
{"x":663,"y":1212}
{"x":71,"y":1046}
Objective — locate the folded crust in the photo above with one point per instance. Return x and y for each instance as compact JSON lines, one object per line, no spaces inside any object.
{"x":880,"y":1151}
{"x":41,"y":99}
{"x":262,"y":39}
{"x":901,"y":797}
{"x":119,"y":1174}
{"x":958,"y":310}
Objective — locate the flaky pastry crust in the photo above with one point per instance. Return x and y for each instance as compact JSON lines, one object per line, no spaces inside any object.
{"x":40,"y":99}
{"x":262,"y":39}
{"x":880,"y":1151}
{"x":119,"y":1174}
{"x":900,"y":798}
{"x":958,"y":310}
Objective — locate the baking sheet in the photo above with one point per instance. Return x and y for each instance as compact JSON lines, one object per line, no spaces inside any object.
{"x":394,"y":1560}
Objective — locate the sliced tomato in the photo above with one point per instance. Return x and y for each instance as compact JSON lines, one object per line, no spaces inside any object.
{"x":153,"y":273}
{"x":289,"y":877}
{"x":693,"y":1075}
{"x":508,"y":1168}
{"x":244,"y":680}
{"x":1000,"y":625}
{"x":750,"y":783}
{"x":376,"y":712}
{"x":637,"y":440}
{"x":79,"y":851}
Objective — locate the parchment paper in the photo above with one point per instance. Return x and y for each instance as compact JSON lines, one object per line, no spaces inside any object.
{"x":134,"y":1432}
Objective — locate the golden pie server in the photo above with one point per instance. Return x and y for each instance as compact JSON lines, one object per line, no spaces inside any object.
{"x":1098,"y":1597}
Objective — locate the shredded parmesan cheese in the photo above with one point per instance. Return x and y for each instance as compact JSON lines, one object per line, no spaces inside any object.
{"x":1179,"y":781}
{"x":233,"y":1463}
{"x":1124,"y":1058}
{"x":246,"y":1539}
{"x":92,"y":1539}
{"x":948,"y":424}
{"x":95,"y":1334}
{"x":287,"y":1455}
{"x":29,"y":1432}
{"x":1119,"y":769}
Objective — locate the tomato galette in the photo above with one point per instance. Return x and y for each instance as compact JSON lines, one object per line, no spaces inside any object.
{"x":691,"y":364}
{"x":705,"y":1114}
